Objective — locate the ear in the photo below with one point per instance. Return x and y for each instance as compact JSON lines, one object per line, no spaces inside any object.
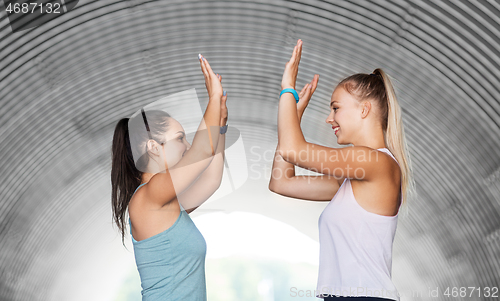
{"x":365,"y":108}
{"x":153,"y":147}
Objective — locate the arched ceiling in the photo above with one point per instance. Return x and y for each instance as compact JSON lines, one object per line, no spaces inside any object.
{"x":65,"y":83}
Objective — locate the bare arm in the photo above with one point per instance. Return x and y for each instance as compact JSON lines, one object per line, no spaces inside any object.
{"x":162,"y":188}
{"x":210,"y":180}
{"x":359,"y":162}
{"x":283,"y":179}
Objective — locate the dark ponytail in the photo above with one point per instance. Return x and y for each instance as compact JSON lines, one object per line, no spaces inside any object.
{"x":125,"y":177}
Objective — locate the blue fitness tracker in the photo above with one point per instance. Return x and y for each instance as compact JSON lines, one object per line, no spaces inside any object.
{"x":295,"y":94}
{"x":223,"y":129}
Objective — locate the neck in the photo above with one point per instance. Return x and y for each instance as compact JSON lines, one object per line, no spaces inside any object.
{"x":372,"y":138}
{"x":146,"y":177}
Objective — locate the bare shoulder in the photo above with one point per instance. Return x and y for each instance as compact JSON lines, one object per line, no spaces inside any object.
{"x":148,"y":218}
{"x":139,"y":203}
{"x":390,"y":166}
{"x":380,"y":195}
{"x":375,"y":165}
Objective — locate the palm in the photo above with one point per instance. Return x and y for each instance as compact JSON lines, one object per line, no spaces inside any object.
{"x":223,"y":107}
{"x":290,"y":77}
{"x":305,"y":95}
{"x":292,"y":67}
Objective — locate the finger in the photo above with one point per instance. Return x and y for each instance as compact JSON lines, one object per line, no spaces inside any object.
{"x":203,"y":68}
{"x":299,"y":50}
{"x":314,"y":82}
{"x":294,"y":52}
{"x":208,"y":71}
{"x":301,"y":94}
{"x":307,"y":93}
{"x":207,"y":65}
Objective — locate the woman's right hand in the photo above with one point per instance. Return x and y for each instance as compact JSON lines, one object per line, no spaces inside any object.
{"x":223,"y":106}
{"x":223,"y":111}
{"x":212,"y":80}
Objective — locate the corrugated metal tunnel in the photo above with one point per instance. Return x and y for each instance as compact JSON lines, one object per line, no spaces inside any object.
{"x":65,"y":83}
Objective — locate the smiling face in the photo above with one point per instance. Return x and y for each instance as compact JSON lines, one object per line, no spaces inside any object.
{"x":176,"y":145}
{"x":345,"y":114}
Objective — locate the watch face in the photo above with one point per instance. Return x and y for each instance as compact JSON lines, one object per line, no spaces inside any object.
{"x":223,"y":129}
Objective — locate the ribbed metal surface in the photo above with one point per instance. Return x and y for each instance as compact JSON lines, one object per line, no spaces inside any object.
{"x":65,"y":83}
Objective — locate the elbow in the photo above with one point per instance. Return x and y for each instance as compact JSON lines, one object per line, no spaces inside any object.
{"x":273,"y":189}
{"x":287,"y":154}
{"x":211,"y":188}
{"x":214,"y":189}
{"x":273,"y":186}
{"x":217,"y":184}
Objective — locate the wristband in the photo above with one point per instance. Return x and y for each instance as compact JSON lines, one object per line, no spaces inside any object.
{"x":295,"y":94}
{"x":223,"y":129}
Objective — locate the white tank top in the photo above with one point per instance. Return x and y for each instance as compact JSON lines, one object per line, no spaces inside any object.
{"x":355,"y":257}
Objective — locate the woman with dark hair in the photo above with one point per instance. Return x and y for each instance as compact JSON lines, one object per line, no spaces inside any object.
{"x":365,"y":183}
{"x":174,"y":178}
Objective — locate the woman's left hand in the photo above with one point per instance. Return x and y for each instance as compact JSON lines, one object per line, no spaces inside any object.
{"x":305,"y":95}
{"x":292,"y":67}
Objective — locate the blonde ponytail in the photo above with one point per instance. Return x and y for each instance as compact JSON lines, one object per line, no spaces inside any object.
{"x":395,"y":139}
{"x":378,"y":87}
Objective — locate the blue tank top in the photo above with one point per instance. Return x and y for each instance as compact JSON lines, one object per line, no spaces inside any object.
{"x":171,"y":264}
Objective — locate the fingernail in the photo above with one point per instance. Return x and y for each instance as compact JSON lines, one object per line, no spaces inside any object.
{"x":199,"y":55}
{"x":224,"y":93}
{"x":203,"y":58}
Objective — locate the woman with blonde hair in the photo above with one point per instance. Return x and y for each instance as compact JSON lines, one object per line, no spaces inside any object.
{"x":365,"y":184}
{"x":169,"y":249}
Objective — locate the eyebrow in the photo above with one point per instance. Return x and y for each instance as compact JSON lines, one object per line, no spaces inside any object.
{"x":181,"y":132}
{"x":333,"y":102}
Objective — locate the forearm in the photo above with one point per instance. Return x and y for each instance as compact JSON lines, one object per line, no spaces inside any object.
{"x":282,"y":170}
{"x":214,"y":171}
{"x":290,"y":135}
{"x":207,"y":136}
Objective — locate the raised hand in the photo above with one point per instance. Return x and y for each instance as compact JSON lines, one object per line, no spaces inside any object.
{"x":212,"y":81}
{"x":223,"y":107}
{"x":292,"y":67}
{"x":305,"y":95}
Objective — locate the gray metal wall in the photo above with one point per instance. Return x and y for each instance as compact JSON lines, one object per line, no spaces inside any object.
{"x":65,"y":83}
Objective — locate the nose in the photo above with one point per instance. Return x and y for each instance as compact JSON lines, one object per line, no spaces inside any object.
{"x":329,"y":119}
{"x":188,"y":146}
